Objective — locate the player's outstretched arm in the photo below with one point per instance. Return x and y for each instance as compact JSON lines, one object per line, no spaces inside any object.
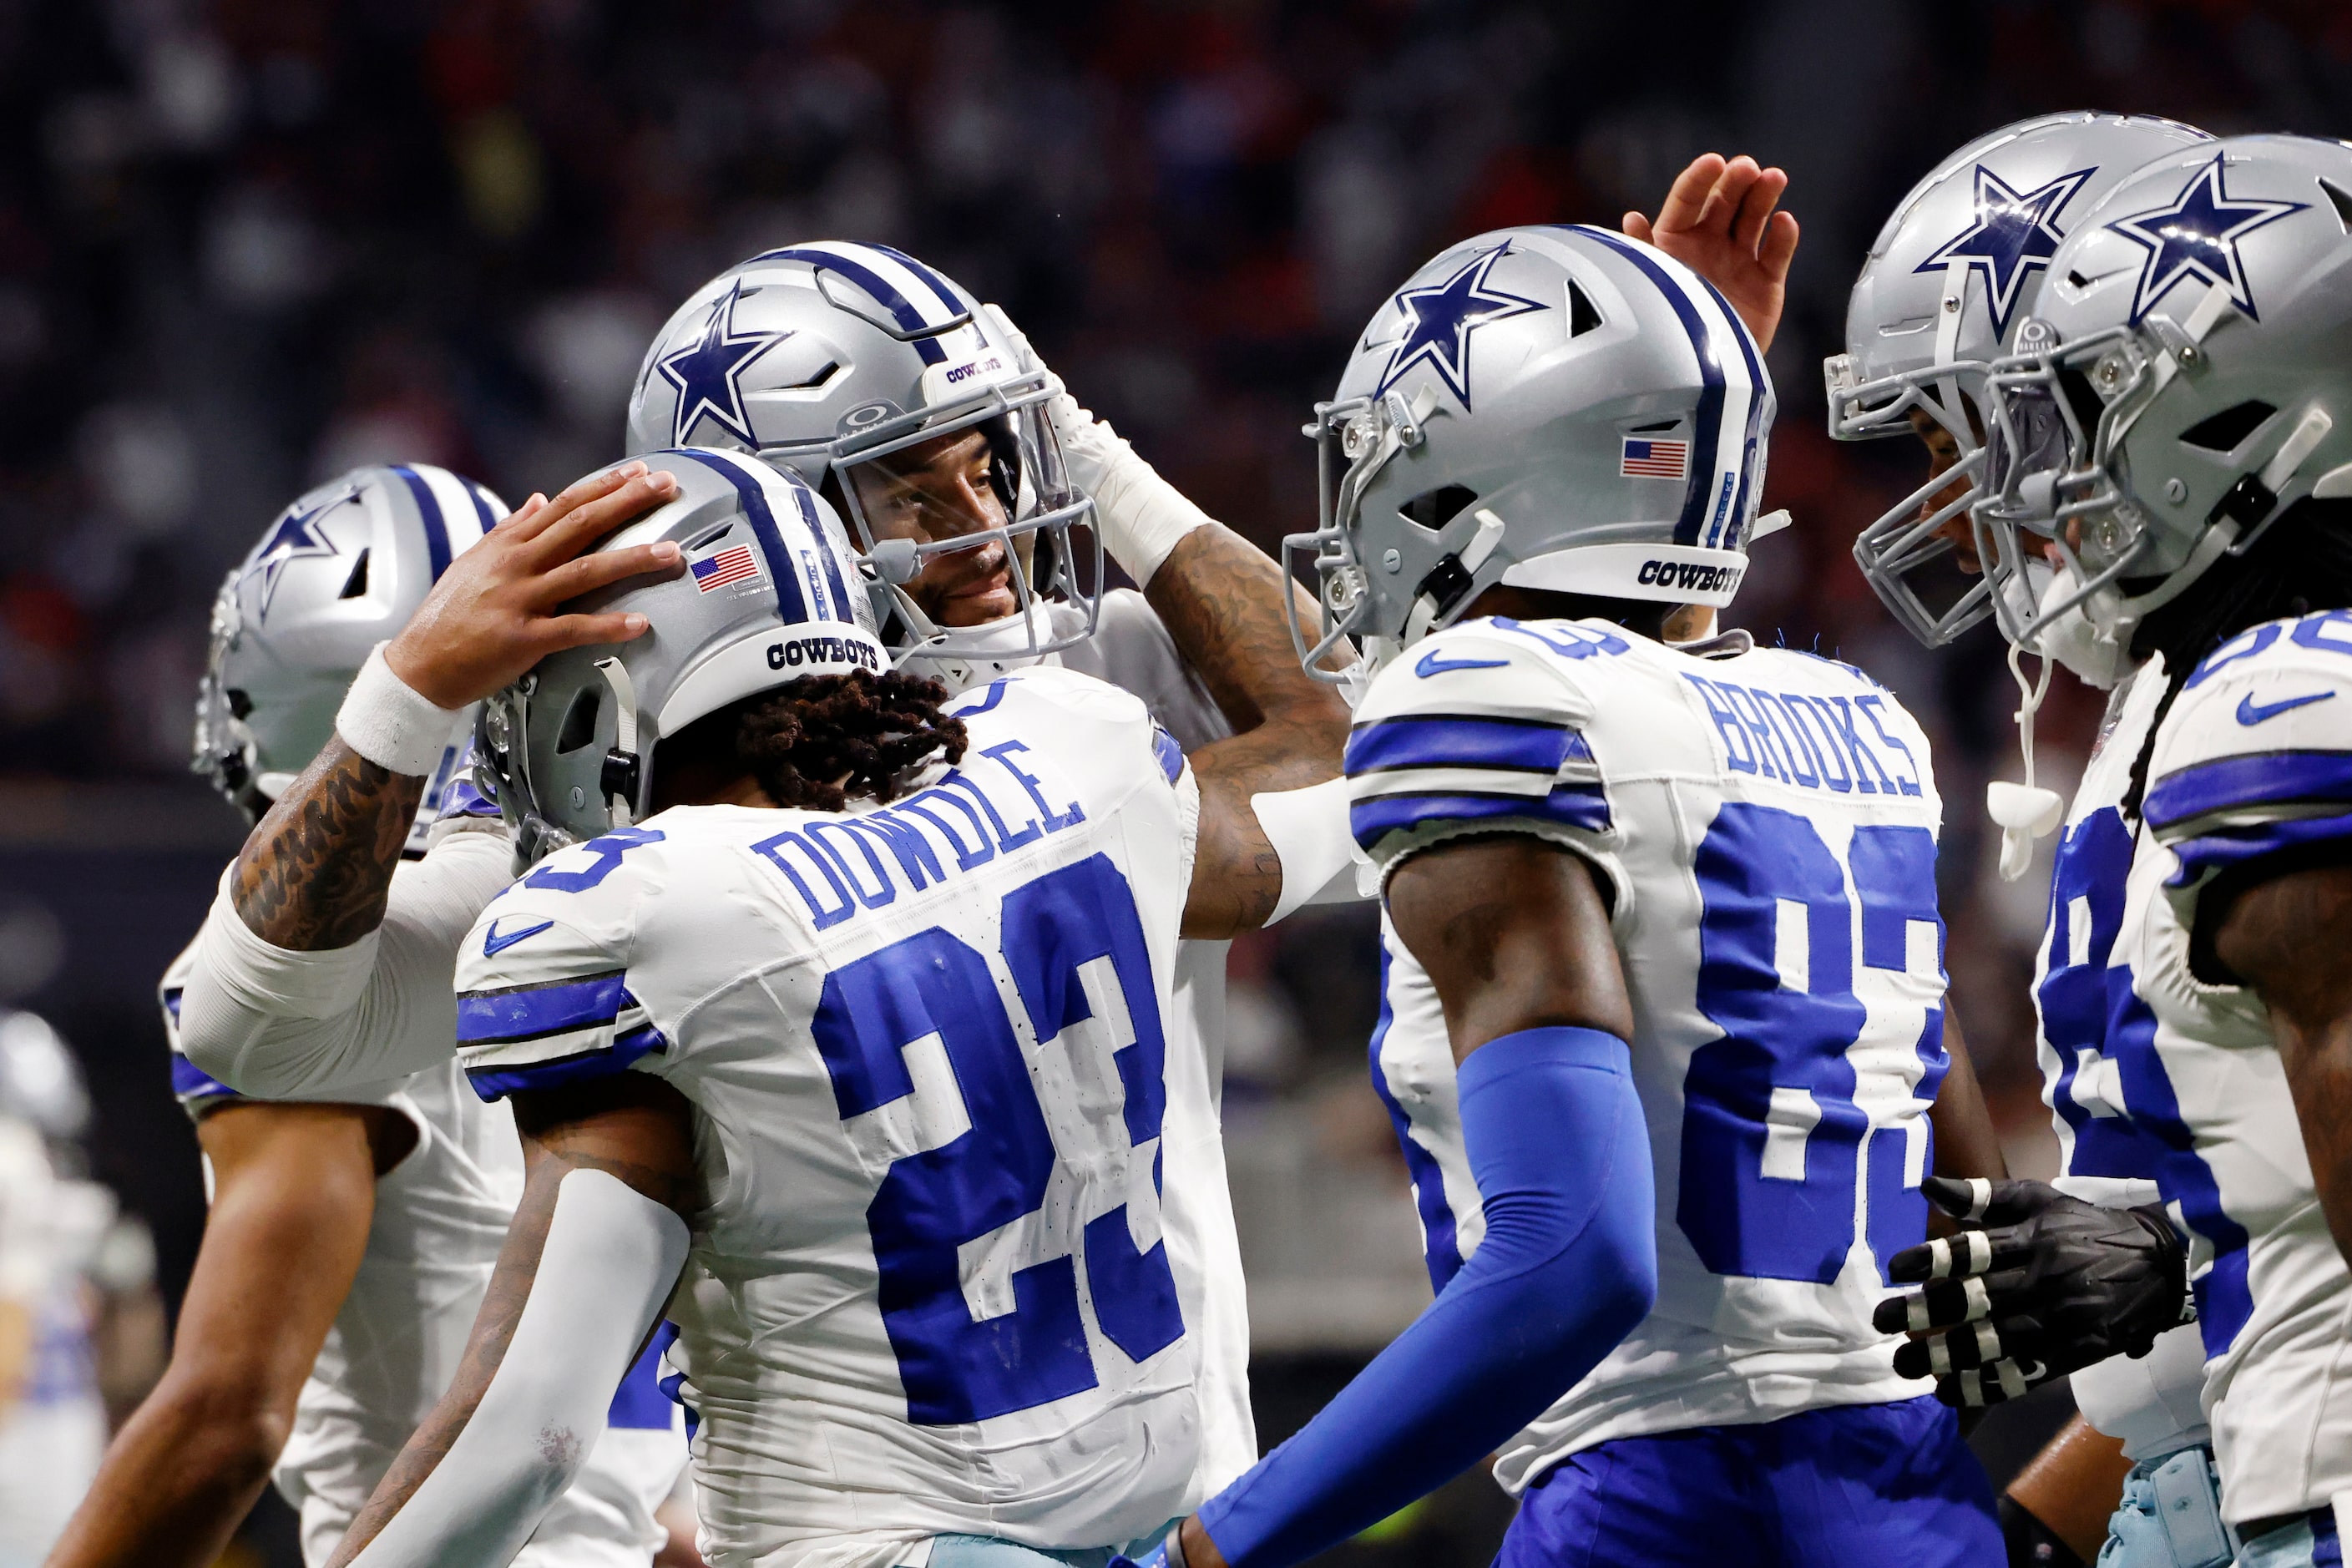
{"x":2286,"y":937}
{"x":313,"y":874}
{"x":592,"y":1255}
{"x":294,"y":1190}
{"x":1515,"y":936}
{"x":1220,"y":599}
{"x":1718,"y":221}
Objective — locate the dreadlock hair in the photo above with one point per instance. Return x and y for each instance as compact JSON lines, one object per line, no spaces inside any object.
{"x":821,"y":741}
{"x":824,"y":738}
{"x":2301,"y":562}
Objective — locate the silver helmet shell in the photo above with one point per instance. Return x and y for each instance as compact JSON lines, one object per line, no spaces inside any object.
{"x":823,"y":356}
{"x":772,"y":592}
{"x":339,"y":571}
{"x":1953,"y":271}
{"x":2185,"y":380}
{"x":1557,"y":407}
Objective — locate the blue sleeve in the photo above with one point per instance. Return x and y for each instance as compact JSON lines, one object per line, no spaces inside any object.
{"x":1556,"y":1139}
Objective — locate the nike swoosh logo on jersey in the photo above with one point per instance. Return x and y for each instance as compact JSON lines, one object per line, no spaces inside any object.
{"x":2252,"y":713}
{"x":1434,"y":663}
{"x":494,"y":944}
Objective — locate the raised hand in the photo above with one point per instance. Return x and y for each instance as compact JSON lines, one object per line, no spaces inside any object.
{"x":493,"y":614}
{"x":1718,"y":221}
{"x":2053,"y":1285}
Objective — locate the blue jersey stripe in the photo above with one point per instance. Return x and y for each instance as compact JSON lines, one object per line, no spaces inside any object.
{"x":639,"y":1403}
{"x":905,"y":312}
{"x":436,"y":530}
{"x":783,"y":566}
{"x":530,"y":1012}
{"x":1575,"y":805}
{"x":2229,"y":847}
{"x":2260,"y":778}
{"x":1440,"y":1247}
{"x":1447,"y":741}
{"x":190,"y":1082}
{"x":1700,"y":493}
{"x":496,"y":1082}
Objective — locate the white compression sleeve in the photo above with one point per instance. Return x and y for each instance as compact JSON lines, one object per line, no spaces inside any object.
{"x":1309,"y":829}
{"x":612,"y":1256}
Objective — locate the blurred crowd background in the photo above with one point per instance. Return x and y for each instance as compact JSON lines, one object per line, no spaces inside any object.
{"x":245,"y":245}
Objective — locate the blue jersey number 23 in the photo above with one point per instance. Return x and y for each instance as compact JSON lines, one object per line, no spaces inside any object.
{"x":957,"y":1367}
{"x":1772,"y":1137}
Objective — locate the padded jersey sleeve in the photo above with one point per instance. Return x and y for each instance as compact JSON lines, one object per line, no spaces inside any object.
{"x":2254,"y":758}
{"x":542,"y":979}
{"x":1478,"y":729}
{"x":277,"y":1024}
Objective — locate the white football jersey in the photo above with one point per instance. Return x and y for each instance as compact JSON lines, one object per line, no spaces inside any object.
{"x":2098,"y":1069}
{"x":2254,"y":757}
{"x":1765,"y":824}
{"x":441,"y":1215}
{"x":947,"y":1282}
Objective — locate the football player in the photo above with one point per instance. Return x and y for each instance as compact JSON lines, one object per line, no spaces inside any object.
{"x":1664,"y":981}
{"x":908,"y":404}
{"x":352,"y":1232}
{"x":2165,"y":435}
{"x":852,"y":1005}
{"x":1957,"y":268}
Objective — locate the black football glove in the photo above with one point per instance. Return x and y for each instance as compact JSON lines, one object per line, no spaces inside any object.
{"x":2038,"y":1286}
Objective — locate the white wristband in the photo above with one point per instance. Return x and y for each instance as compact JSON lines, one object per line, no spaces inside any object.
{"x":1139,"y":515}
{"x":389,"y":724}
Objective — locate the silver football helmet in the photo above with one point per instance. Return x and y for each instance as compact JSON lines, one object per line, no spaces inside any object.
{"x":1556,"y":407}
{"x":340,"y":569}
{"x":836,"y":361}
{"x":772,"y":592}
{"x":1955,"y":267}
{"x":2185,"y":379}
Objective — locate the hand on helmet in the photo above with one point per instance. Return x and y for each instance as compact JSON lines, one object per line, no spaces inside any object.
{"x":1718,"y":221}
{"x":494,"y":612}
{"x":2054,"y":1285}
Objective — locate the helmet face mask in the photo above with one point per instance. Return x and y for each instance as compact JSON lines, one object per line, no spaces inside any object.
{"x":831,"y":359}
{"x":1609,"y":446}
{"x":2141,"y":433}
{"x":339,"y":571}
{"x":1954,"y":271}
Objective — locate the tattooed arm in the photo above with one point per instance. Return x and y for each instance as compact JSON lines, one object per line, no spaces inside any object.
{"x":1221,"y":598}
{"x":314,"y":873}
{"x":594,"y":1251}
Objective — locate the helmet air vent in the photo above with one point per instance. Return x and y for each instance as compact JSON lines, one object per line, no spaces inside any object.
{"x":2227,"y":431}
{"x":579,"y":720}
{"x":355,"y":586}
{"x":1584,"y":316}
{"x":705,"y":540}
{"x":2341,"y":200}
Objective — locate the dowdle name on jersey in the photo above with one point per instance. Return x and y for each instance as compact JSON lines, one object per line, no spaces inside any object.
{"x":1763,"y":824}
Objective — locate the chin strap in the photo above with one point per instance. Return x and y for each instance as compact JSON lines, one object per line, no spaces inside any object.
{"x":2024,"y":812}
{"x":620,"y":774}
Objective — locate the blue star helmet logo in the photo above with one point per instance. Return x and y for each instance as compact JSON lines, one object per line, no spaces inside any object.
{"x":705,"y":372}
{"x":2013,"y":237}
{"x":1440,"y":318}
{"x":2197,"y":236}
{"x":296,"y":536}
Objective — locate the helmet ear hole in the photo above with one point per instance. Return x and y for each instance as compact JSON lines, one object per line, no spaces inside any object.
{"x":1433,"y":509}
{"x":579,"y":720}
